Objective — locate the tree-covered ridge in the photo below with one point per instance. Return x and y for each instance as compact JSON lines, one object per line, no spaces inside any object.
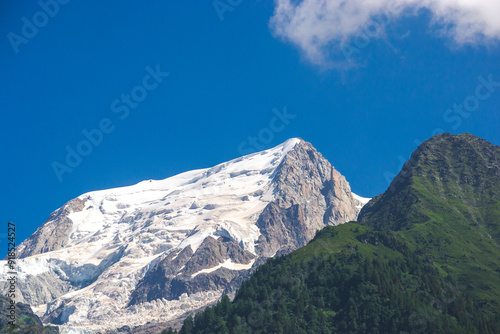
{"x":367,"y":282}
{"x":445,"y":203}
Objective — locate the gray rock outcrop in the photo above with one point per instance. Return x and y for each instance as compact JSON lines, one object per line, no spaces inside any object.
{"x":310,"y":194}
{"x":181,"y":272}
{"x":54,"y":233}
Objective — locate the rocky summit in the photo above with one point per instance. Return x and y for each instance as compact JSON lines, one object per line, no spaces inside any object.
{"x":158,"y":250}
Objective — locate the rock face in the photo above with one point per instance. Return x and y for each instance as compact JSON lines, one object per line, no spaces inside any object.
{"x":54,"y":233}
{"x":213,"y":266}
{"x":309,"y":195}
{"x":160,"y":249}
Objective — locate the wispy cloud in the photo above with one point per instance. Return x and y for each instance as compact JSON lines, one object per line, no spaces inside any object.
{"x":320,"y":28}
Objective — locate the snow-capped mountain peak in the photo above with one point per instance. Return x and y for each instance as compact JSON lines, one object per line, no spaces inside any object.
{"x":110,"y":257}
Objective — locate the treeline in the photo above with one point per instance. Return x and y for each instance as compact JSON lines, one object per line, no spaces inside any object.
{"x":346,"y":292}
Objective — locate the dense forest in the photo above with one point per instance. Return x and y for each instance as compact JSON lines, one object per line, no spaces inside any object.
{"x":383,"y":288}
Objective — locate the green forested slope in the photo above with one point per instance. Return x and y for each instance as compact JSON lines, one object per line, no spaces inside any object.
{"x":445,"y":204}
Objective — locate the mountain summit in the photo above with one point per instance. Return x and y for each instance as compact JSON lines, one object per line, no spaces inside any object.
{"x":158,"y":249}
{"x":453,"y":170}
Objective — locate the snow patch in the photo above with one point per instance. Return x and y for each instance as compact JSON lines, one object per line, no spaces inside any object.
{"x":360,"y":201}
{"x":226,"y":264}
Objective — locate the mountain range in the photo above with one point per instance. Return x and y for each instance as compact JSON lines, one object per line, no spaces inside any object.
{"x":423,"y":257}
{"x":264,"y":240}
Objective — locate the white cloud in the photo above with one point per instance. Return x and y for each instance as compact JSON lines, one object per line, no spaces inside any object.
{"x":321,"y":28}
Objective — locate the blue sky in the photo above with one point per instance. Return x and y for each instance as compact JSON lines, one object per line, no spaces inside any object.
{"x":364,"y":94}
